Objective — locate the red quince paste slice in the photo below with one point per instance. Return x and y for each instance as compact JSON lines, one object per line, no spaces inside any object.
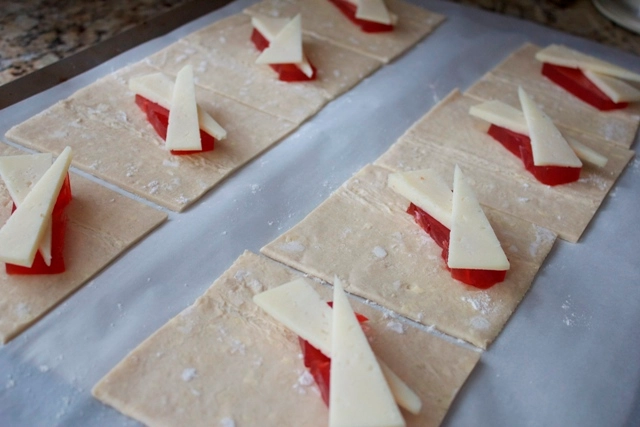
{"x":574,"y":81}
{"x":482,"y":279}
{"x":520,"y":145}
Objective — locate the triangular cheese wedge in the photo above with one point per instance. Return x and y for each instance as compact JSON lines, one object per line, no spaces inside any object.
{"x":617,"y":90}
{"x":20,"y":174}
{"x":301,"y":309}
{"x":286,"y":47}
{"x":359,"y":394}
{"x":566,"y":57}
{"x":374,"y":11}
{"x":268,"y":26}
{"x":183,"y":132}
{"x":158,"y":88}
{"x":547,"y":143}
{"x":427,"y":190}
{"x":22,"y":233}
{"x":473,"y":243}
{"x":500,"y":114}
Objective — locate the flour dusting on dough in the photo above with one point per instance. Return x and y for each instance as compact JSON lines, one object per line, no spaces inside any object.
{"x":293,"y":246}
{"x":481,"y":302}
{"x":188,"y":374}
{"x":480,"y":322}
{"x":227,"y":422}
{"x":379,"y":252}
{"x":395,"y":326}
{"x":542,"y":235}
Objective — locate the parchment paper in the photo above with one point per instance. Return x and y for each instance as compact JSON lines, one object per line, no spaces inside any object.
{"x":570,"y":355}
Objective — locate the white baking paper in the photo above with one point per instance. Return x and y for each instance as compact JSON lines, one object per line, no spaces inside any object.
{"x":569,"y":356}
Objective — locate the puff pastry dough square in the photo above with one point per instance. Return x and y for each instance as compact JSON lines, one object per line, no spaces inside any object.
{"x":224,"y":358}
{"x":101,"y":225}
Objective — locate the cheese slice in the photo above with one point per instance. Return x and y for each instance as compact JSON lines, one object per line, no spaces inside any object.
{"x":427,"y":190}
{"x":587,"y":154}
{"x":20,"y":174}
{"x":473,"y":243}
{"x":617,"y":90}
{"x":374,"y":11}
{"x":286,"y":47}
{"x":566,"y":57}
{"x":301,"y":309}
{"x":23,"y":231}
{"x":547,"y":143}
{"x":360,"y":395}
{"x":183,"y":132}
{"x":158,"y":89}
{"x":500,"y":114}
{"x":270,"y":27}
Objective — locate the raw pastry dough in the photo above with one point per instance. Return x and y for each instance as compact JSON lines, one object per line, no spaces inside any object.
{"x":230,"y":69}
{"x":112,"y":140}
{"x":223,"y":358}
{"x":522,"y":69}
{"x":322,"y":19}
{"x":362,"y":233}
{"x":101,"y":225}
{"x":448,"y":134}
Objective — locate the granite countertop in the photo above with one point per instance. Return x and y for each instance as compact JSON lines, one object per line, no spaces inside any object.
{"x":36,"y":33}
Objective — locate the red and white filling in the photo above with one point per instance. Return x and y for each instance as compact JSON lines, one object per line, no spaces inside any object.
{"x":338,"y":356}
{"x":372,"y":16}
{"x":280,"y":42}
{"x":456,"y":223}
{"x":42,"y":220}
{"x":598,"y":83}
{"x":172,"y":110}
{"x":534,"y":138}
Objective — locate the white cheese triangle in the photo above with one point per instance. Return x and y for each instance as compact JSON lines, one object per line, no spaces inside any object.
{"x":301,"y":309}
{"x":547,"y":143}
{"x":473,"y":243}
{"x":587,"y":154}
{"x":566,"y":57}
{"x":500,"y":114}
{"x":286,"y":47}
{"x":268,"y":26}
{"x":427,"y":190}
{"x":374,"y":11}
{"x":20,"y":174}
{"x":617,"y":90}
{"x":359,"y":393}
{"x":158,"y":89}
{"x":183,"y":132}
{"x":22,"y":233}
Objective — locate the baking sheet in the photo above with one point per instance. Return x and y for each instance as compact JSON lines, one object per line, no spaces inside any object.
{"x":569,"y":356}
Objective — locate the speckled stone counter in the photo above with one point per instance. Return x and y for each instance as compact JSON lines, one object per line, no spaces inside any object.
{"x":36,"y":33}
